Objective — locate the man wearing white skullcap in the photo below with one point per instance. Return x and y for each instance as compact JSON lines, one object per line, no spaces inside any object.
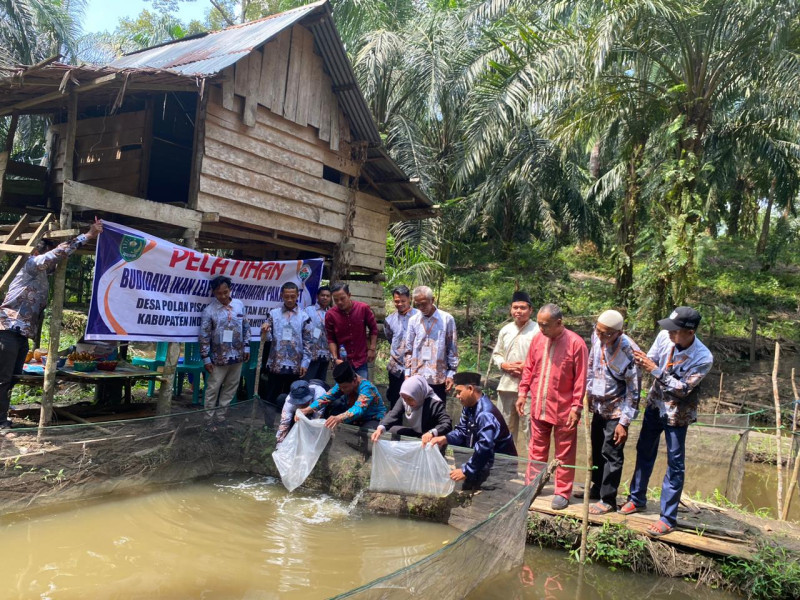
{"x":613,"y":382}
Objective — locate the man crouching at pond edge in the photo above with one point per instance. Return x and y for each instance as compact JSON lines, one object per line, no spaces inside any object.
{"x":481,"y":428}
{"x":678,"y":361}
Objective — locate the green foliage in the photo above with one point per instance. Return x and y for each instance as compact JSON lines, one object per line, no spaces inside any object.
{"x":618,"y":547}
{"x":772,"y":574}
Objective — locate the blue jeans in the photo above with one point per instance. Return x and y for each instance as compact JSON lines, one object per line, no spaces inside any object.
{"x":363,"y":371}
{"x":646,"y":452}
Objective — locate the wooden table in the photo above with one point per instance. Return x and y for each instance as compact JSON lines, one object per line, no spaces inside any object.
{"x":109,"y":385}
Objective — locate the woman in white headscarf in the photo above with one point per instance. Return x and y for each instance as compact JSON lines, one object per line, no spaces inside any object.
{"x":420,"y":413}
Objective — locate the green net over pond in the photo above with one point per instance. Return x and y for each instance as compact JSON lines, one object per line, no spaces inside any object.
{"x":69,"y":463}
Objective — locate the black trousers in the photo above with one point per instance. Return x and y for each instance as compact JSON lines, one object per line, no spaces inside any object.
{"x":318,"y":369}
{"x":607,"y":458}
{"x":393,"y":391}
{"x":279,"y":383}
{"x":13,"y":350}
{"x":439,"y":390}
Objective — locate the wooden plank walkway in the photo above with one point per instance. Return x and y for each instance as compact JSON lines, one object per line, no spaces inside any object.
{"x":639,"y":522}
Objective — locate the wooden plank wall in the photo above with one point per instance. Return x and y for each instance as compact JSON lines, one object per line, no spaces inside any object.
{"x":108,"y":153}
{"x":287,"y":77}
{"x":369,"y":293}
{"x":271,"y":129}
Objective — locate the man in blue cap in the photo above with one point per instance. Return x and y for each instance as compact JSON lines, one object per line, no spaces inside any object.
{"x":301,"y":394}
{"x":677,"y":362}
{"x":481,"y":428}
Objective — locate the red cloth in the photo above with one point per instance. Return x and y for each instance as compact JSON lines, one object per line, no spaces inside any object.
{"x":350,"y":330}
{"x":566,"y":450}
{"x":555,"y":376}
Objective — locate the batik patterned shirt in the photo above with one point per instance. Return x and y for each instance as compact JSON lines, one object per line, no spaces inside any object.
{"x":319,"y":341}
{"x":224,"y":333}
{"x":431,"y":349}
{"x":367,"y":406}
{"x":613,"y":380}
{"x":290,"y":334}
{"x":394,"y":327}
{"x":28,"y":292}
{"x":674,"y":391}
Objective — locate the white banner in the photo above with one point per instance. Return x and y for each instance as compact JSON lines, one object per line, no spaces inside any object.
{"x":149,"y":289}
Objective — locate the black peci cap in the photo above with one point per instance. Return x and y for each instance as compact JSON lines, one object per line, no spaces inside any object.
{"x":683,"y":317}
{"x":467,"y":378}
{"x":344,"y":373}
{"x":520,"y":296}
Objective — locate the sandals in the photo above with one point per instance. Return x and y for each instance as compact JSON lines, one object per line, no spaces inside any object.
{"x":601,"y":508}
{"x":659,"y":528}
{"x":629,"y":508}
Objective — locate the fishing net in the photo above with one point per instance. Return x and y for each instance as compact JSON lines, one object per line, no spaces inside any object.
{"x":716,"y":448}
{"x":69,"y":463}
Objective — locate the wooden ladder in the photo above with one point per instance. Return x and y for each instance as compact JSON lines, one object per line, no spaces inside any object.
{"x":18,"y":233}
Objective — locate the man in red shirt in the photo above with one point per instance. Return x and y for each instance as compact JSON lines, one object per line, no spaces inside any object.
{"x":555,"y":376}
{"x":346,"y":326}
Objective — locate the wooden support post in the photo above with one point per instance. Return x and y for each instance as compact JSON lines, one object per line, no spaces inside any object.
{"x":164,"y":403}
{"x":778,"y":439}
{"x":753,"y":335}
{"x":12,"y":131}
{"x":587,"y":483}
{"x":60,"y":279}
{"x":719,"y":396}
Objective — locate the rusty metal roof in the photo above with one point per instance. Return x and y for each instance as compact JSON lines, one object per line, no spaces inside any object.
{"x":207,"y":54}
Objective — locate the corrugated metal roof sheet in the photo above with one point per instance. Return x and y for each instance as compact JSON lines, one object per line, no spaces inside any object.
{"x":203,"y":56}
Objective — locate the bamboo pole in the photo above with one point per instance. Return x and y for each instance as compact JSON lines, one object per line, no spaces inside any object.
{"x":778,"y":440}
{"x":719,"y":396}
{"x":164,"y":402}
{"x":480,"y":345}
{"x":60,"y":279}
{"x":793,"y":481}
{"x":587,"y":480}
{"x":792,"y":455}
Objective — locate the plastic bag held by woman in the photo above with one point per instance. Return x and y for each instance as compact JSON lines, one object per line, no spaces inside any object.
{"x":409,"y":468}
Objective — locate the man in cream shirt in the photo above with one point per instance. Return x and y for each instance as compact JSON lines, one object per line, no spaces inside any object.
{"x":509,"y":356}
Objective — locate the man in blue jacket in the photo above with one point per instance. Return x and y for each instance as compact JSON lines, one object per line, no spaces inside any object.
{"x":481,"y":428}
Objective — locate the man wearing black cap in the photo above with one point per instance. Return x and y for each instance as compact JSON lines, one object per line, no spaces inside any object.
{"x":509,"y":355}
{"x":353,"y":400}
{"x":481,"y":428}
{"x":677,"y":361}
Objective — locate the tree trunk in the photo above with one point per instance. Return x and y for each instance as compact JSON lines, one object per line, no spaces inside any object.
{"x":762,"y":239}
{"x":628,"y":230}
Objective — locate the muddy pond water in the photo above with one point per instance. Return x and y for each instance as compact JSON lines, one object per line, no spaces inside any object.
{"x":214,"y":539}
{"x":246,"y":538}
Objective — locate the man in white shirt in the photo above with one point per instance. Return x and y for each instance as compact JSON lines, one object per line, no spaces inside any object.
{"x":509,"y":354}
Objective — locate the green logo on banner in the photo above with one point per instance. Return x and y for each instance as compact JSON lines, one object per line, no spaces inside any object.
{"x":131,"y":247}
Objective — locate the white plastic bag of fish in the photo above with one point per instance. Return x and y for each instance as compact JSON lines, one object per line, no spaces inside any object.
{"x":300,"y":450}
{"x":409,"y":468}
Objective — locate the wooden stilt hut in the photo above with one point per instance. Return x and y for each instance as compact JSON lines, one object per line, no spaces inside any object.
{"x":255,"y":139}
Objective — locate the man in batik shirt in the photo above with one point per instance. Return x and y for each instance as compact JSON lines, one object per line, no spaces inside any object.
{"x":224,"y":345}
{"x":677,"y":362}
{"x":430,"y":345}
{"x":320,"y":353}
{"x":289,"y":329}
{"x":21,"y":310}
{"x":395,"y":327}
{"x":613,"y":383}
